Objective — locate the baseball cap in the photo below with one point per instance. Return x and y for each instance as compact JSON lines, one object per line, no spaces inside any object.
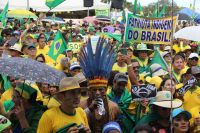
{"x":74,"y":65}
{"x":192,"y":55}
{"x":179,"y":111}
{"x":31,"y":46}
{"x":121,"y":77}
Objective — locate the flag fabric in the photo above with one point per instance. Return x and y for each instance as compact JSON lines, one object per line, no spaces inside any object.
{"x":157,"y":58}
{"x":135,"y":7}
{"x":58,"y":46}
{"x":53,"y":3}
{"x":155,"y":12}
{"x":141,"y":10}
{"x":162,"y":11}
{"x":3,"y":15}
{"x":124,"y":16}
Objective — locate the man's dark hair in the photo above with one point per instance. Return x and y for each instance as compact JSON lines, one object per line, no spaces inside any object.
{"x":143,"y":127}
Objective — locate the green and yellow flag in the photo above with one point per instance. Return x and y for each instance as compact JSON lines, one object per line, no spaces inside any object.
{"x":53,"y":3}
{"x":58,"y":46}
{"x":162,"y":11}
{"x":135,"y":7}
{"x":141,"y":10}
{"x":3,"y":15}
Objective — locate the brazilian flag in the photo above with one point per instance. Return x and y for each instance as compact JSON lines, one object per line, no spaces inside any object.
{"x":53,"y":3}
{"x":58,"y":46}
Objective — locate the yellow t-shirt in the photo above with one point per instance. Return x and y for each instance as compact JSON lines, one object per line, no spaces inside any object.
{"x":116,"y":67}
{"x":55,"y":119}
{"x":191,"y":99}
{"x":43,"y":51}
{"x":50,"y":102}
{"x":195,"y":113}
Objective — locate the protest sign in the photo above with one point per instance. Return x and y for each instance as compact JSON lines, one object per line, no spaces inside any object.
{"x":75,"y":46}
{"x":150,"y":31}
{"x":103,"y":12}
{"x":143,"y":92}
{"x":187,"y":86}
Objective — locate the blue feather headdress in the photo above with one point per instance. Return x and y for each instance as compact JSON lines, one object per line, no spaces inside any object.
{"x":97,"y":67}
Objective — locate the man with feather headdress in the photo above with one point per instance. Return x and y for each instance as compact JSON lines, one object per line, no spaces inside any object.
{"x":97,"y":67}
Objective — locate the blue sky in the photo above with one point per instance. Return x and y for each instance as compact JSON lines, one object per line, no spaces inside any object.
{"x":183,"y":3}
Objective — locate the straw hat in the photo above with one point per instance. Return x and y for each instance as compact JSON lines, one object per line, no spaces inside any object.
{"x":157,"y":70}
{"x":17,"y":47}
{"x":163,"y":99}
{"x":68,"y":83}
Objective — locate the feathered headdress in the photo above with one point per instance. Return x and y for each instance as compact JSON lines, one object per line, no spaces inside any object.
{"x":97,"y":66}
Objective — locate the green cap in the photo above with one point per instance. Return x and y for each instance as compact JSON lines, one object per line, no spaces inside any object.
{"x":91,"y":28}
{"x":5,"y":124}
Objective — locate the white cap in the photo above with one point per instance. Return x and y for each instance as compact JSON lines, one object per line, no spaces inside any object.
{"x":165,"y":53}
{"x":192,"y":55}
{"x":74,"y":65}
{"x":167,"y":48}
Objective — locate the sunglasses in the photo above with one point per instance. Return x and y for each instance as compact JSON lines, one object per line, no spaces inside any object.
{"x":194,"y":58}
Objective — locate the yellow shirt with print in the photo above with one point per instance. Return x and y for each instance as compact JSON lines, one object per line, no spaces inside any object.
{"x":192,"y":98}
{"x":43,"y":51}
{"x":55,"y":119}
{"x":116,"y":67}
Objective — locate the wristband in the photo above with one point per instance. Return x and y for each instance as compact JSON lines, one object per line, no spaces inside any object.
{"x":130,"y":65}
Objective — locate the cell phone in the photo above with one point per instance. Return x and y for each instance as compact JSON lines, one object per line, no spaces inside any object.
{"x":81,"y":128}
{"x":12,"y":41}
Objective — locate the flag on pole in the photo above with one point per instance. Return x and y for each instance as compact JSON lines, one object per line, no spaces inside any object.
{"x":135,"y":7}
{"x":141,"y":10}
{"x":124,"y":16}
{"x":155,"y":12}
{"x":157,"y":58}
{"x":162,"y":11}
{"x":53,"y":3}
{"x":3,"y":15}
{"x":58,"y":46}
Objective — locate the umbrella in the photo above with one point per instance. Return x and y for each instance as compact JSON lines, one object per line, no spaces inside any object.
{"x":182,"y":16}
{"x":29,"y":69}
{"x":103,"y":18}
{"x":189,"y":33}
{"x":89,"y":19}
{"x":54,"y":20}
{"x":109,"y":29}
{"x":19,"y":13}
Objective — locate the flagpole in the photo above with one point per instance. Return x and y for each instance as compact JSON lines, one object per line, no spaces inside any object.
{"x":27,"y":5}
{"x":171,"y":72}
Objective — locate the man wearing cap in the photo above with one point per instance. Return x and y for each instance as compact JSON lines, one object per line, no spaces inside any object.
{"x":167,"y":57}
{"x":159,"y":117}
{"x":120,"y":95}
{"x":31,"y":51}
{"x":68,"y":117}
{"x":192,"y":96}
{"x":75,"y":68}
{"x":193,"y":60}
{"x":142,"y":54}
